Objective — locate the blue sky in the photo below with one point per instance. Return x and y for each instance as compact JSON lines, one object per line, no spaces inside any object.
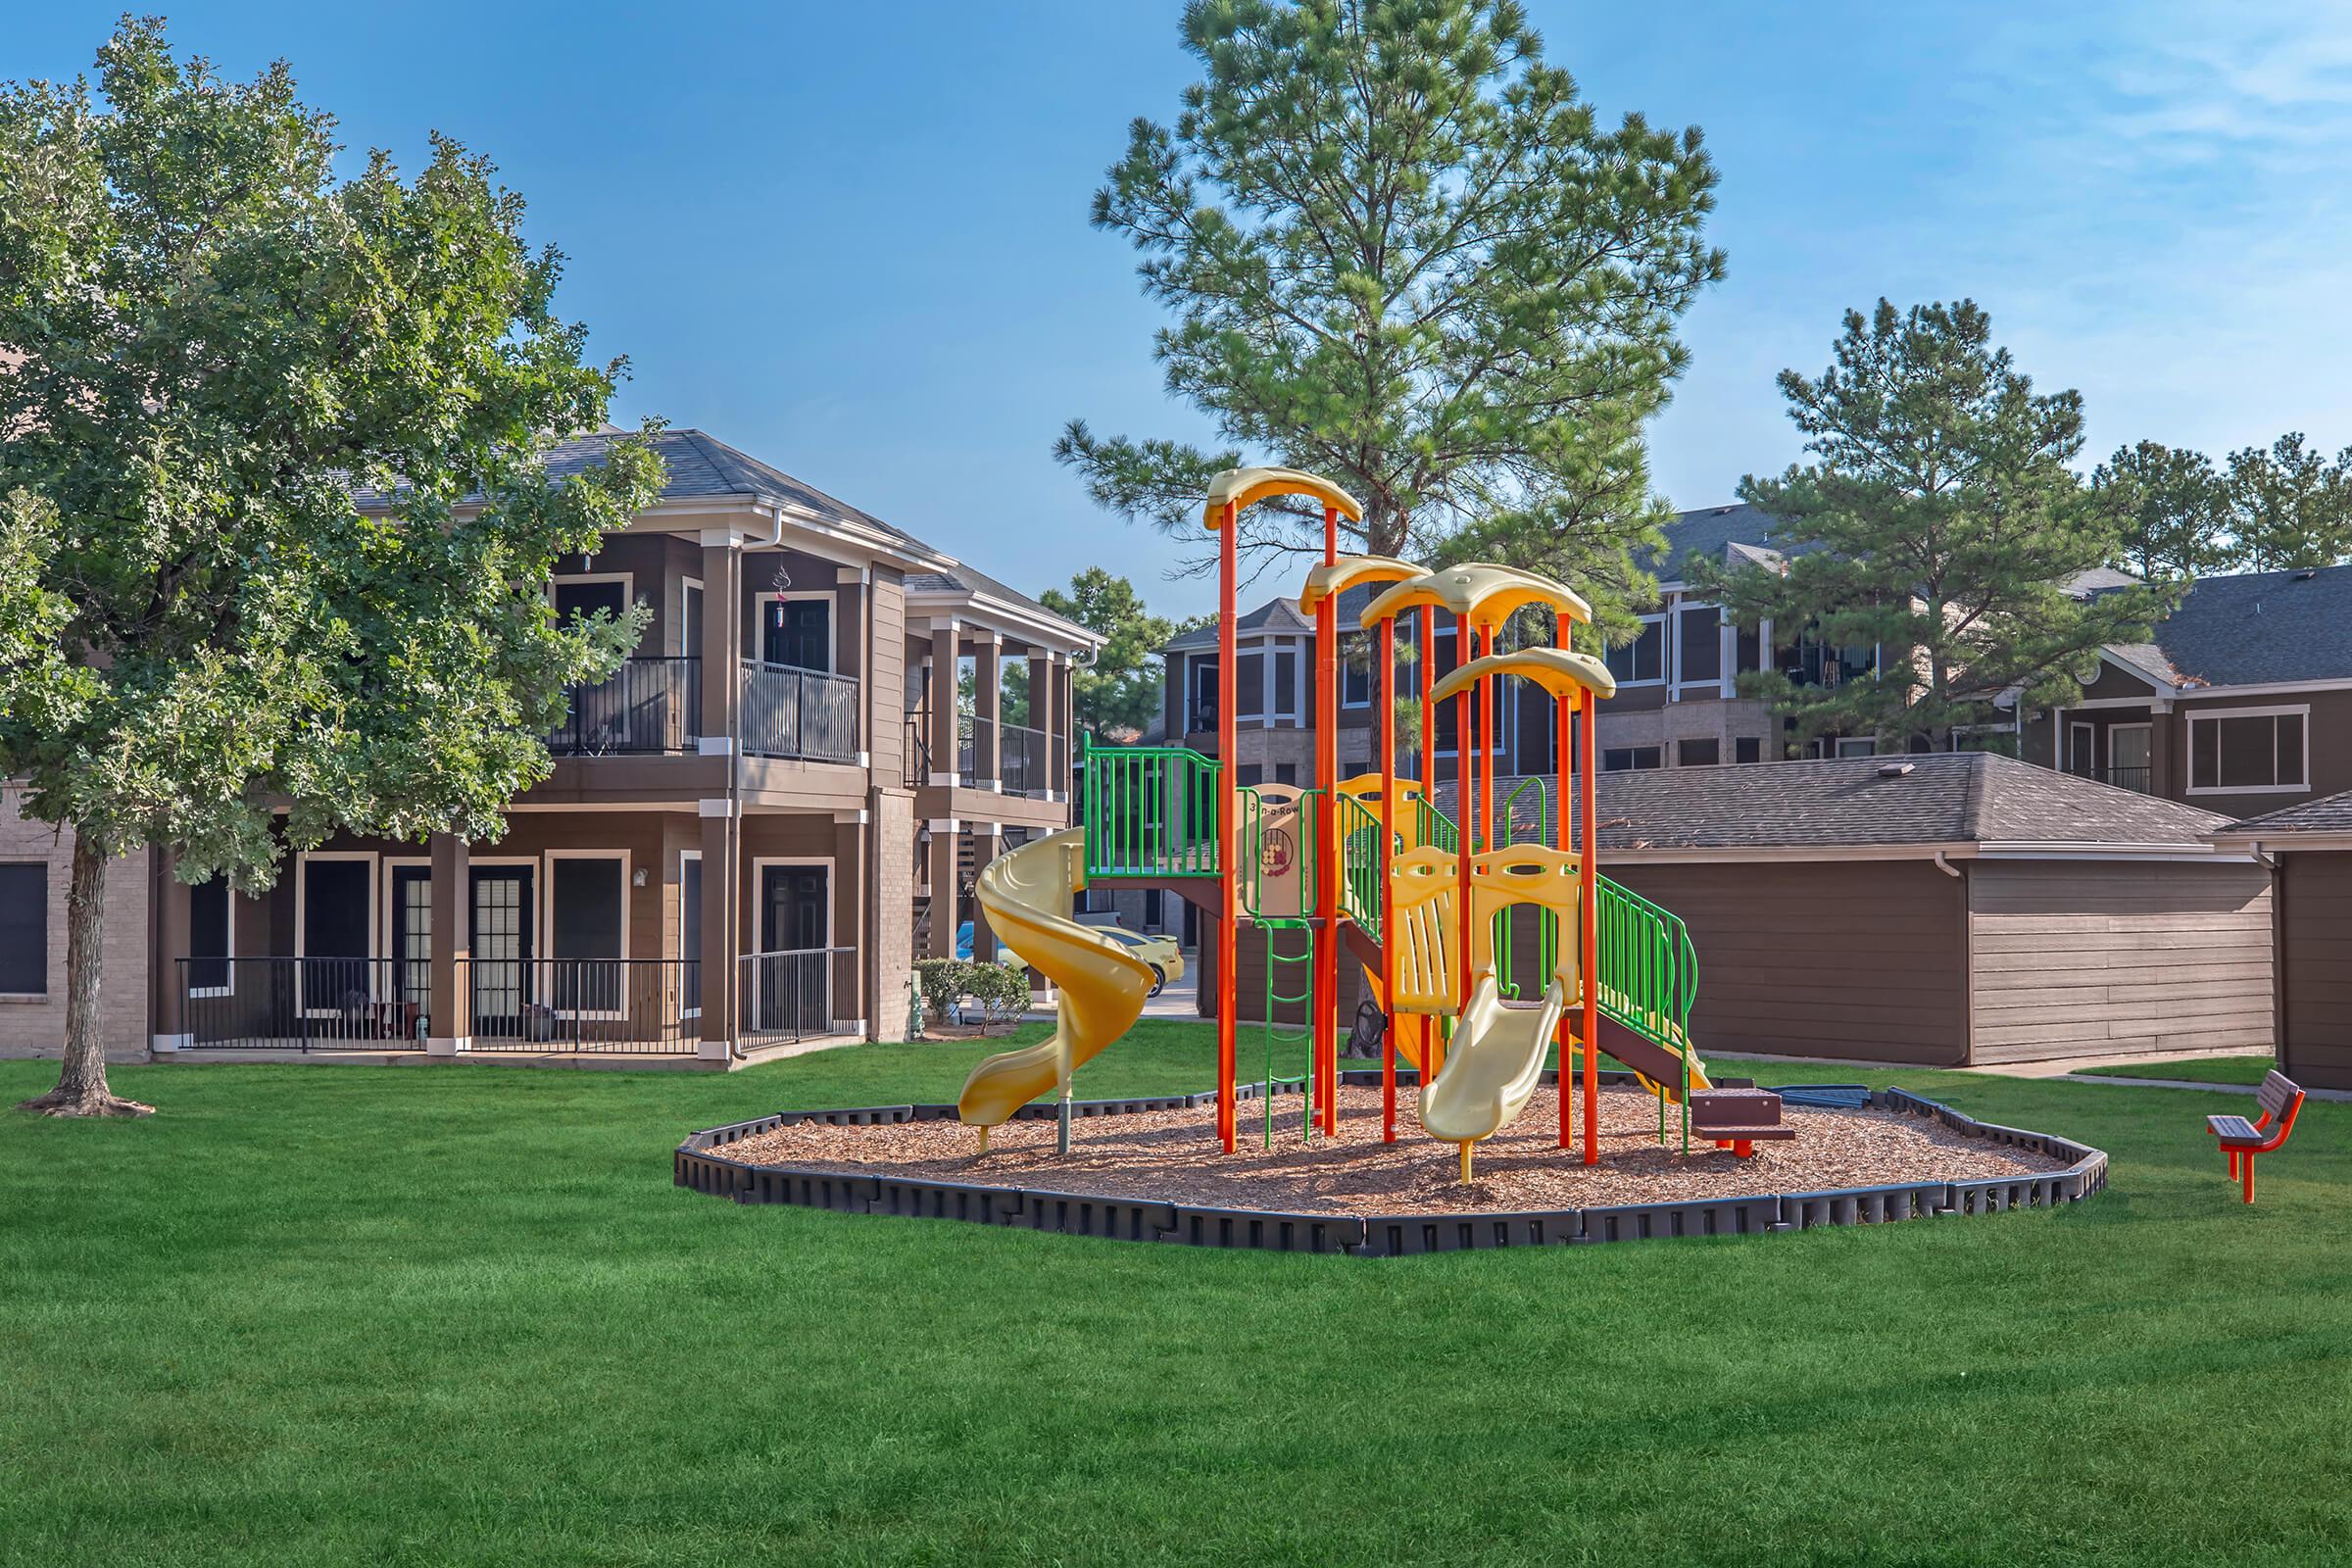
{"x":865,"y":257}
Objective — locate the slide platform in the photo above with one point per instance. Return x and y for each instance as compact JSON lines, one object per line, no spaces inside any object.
{"x":1027,"y":896}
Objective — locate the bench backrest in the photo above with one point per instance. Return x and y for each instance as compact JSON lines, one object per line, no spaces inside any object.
{"x":2277,"y":1092}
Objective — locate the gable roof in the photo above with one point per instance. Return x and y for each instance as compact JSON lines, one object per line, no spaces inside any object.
{"x":1945,"y":798}
{"x":961,"y":579}
{"x":1276,"y":617}
{"x":2253,"y":629}
{"x":1738,"y":534}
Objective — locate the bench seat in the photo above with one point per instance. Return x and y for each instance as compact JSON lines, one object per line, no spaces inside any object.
{"x":2234,"y":1130}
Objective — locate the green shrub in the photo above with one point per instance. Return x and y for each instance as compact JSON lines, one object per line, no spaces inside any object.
{"x":1001,"y":989}
{"x":943,"y":981}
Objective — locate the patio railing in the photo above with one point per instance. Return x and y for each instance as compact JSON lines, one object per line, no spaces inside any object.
{"x":786,"y":995}
{"x":649,"y":706}
{"x":794,"y":713}
{"x":1023,"y":759}
{"x":281,"y":1004}
{"x":611,"y":1006}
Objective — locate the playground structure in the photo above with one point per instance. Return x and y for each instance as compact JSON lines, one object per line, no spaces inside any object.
{"x":1434,"y":909}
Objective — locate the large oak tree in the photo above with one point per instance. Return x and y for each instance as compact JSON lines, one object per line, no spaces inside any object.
{"x":208,"y":339}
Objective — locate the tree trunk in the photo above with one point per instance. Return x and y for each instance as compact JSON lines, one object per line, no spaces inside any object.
{"x":82,"y":1083}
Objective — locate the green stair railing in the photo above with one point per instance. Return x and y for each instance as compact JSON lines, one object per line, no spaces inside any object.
{"x":1360,"y":864}
{"x":1264,"y":861}
{"x":1150,"y":812}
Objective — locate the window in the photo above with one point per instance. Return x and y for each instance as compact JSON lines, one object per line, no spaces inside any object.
{"x":1698,"y":754}
{"x":1748,"y":650}
{"x":1700,"y":635}
{"x":24,"y":930}
{"x":1355,"y":669}
{"x":582,"y":598}
{"x":1204,"y":692}
{"x":1250,"y":686}
{"x":1285,"y":682}
{"x":1865,"y":746}
{"x":1155,"y":909}
{"x":1285,"y":773}
{"x":1644,"y":659}
{"x":1748,"y":748}
{"x":1248,"y":775}
{"x":1630,"y":758}
{"x":210,"y":944}
{"x":586,"y":921}
{"x":1441,"y":664}
{"x":2260,"y":749}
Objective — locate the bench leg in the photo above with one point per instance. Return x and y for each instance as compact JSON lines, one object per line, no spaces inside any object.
{"x":1743,"y":1149}
{"x":2230,"y":1154}
{"x":2249,"y":1158}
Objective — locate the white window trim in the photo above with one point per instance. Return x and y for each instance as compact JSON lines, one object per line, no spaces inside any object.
{"x":47,"y":896}
{"x":696,"y":856}
{"x":387,"y":868}
{"x":1723,"y":653}
{"x":229,"y":959}
{"x":2197,"y":716}
{"x":832,"y":625}
{"x":1667,"y":661}
{"x":2148,"y":727}
{"x":696,"y":585}
{"x":1371,"y":641}
{"x":1840,"y":743}
{"x":626,"y":579}
{"x":301,"y":888}
{"x":547,"y":921}
{"x":1258,"y":649}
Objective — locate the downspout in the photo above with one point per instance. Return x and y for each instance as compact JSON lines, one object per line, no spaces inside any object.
{"x":1946,"y":866}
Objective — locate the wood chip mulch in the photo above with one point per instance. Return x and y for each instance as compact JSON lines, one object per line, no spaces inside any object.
{"x":1172,"y":1156}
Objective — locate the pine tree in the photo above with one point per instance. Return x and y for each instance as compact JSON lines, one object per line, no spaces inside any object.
{"x":1941,"y":522}
{"x":1400,"y":252}
{"x":2175,"y":510}
{"x":2291,"y":507}
{"x":1120,"y":688}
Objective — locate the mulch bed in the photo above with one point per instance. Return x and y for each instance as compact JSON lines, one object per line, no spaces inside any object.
{"x":1172,"y":1156}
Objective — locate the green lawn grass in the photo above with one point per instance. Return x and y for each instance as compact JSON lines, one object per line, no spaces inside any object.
{"x":331,"y":1315}
{"x":2192,"y":1069}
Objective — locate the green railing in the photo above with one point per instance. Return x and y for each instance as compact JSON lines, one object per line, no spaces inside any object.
{"x":1649,"y":967}
{"x":1360,"y":864}
{"x":1150,"y":812}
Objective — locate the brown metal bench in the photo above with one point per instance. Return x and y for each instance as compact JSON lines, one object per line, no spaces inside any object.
{"x":2279,"y":1098}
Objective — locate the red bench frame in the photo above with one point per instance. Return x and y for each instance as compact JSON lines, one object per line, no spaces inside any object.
{"x":2279,"y":1097}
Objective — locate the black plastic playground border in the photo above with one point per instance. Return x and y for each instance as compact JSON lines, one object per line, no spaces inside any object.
{"x":698,"y":1164}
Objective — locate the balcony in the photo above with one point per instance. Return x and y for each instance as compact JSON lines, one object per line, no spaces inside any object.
{"x":649,"y":707}
{"x":1024,"y":756}
{"x":806,"y":715}
{"x":2136,"y":779}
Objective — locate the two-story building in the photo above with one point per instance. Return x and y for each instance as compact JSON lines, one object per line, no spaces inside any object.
{"x":2240,"y":702}
{"x":735,"y":848}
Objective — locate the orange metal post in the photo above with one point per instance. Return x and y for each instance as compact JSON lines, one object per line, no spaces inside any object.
{"x":1589,"y":906}
{"x":1433,"y":1048}
{"x":1487,"y":730}
{"x":1228,"y":883}
{"x":1463,"y":745}
{"x":1386,"y":729}
{"x":1326,"y":988}
{"x":1563,"y":778}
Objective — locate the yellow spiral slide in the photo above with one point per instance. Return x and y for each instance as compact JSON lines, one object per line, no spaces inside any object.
{"x":1026,"y":895}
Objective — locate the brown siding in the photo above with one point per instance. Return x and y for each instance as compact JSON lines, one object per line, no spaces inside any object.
{"x":1860,"y":960}
{"x":2079,"y":958}
{"x":885,"y":681}
{"x":2314,"y":954}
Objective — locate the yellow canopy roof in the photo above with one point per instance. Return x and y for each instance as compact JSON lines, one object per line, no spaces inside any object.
{"x":1239,"y":487}
{"x":1558,"y":670}
{"x":1486,"y":594}
{"x":1332,"y":581}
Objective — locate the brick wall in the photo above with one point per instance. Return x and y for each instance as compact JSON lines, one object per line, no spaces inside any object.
{"x":893,"y":827}
{"x":36,"y":1026}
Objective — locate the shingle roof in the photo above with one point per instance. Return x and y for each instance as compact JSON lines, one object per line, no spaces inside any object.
{"x":2330,"y":814}
{"x":1738,"y":532}
{"x":1278,"y":616}
{"x":962,"y":578}
{"x":699,"y":466}
{"x":2251,"y":629}
{"x":1945,"y":798}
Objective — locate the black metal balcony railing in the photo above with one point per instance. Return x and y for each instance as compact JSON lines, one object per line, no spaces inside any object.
{"x":2128,"y":778}
{"x":786,"y":995}
{"x":1022,"y":760}
{"x":285,"y":1004}
{"x":607,"y":1006}
{"x":917,"y":768}
{"x":649,"y":706}
{"x":794,"y":713}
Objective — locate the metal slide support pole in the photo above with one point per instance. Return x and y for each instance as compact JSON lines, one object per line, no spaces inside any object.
{"x":1227,"y":746}
{"x":1324,"y":1049}
{"x":1465,"y":831}
{"x":1387,"y":730}
{"x":1563,"y":769}
{"x":1587,"y":912}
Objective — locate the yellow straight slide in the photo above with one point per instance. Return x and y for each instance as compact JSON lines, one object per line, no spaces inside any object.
{"x":1493,"y":1067}
{"x":1102,"y":985}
